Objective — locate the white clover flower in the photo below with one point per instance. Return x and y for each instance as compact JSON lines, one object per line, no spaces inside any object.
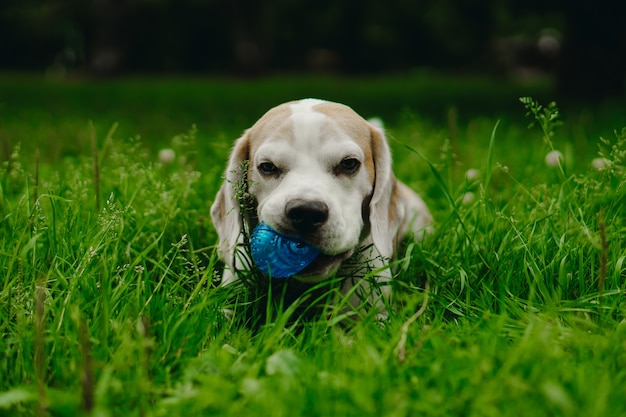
{"x":554,"y":158}
{"x":599,"y":163}
{"x":472,"y":174}
{"x":167,"y":156}
{"x":377,"y":122}
{"x":468,"y":197}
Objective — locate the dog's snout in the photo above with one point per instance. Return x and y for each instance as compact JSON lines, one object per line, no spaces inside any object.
{"x":305,"y":215}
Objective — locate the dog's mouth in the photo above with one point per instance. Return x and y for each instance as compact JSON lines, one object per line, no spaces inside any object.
{"x":323,"y":267}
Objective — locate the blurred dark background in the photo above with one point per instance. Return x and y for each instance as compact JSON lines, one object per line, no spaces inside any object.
{"x":580,"y":43}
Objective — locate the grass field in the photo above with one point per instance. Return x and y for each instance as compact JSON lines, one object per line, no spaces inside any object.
{"x":514,"y":306}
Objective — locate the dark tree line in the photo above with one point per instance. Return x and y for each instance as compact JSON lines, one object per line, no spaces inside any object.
{"x":249,"y":37}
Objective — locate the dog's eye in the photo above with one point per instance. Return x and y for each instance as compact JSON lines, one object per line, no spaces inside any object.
{"x":349,"y":165}
{"x":267,"y":168}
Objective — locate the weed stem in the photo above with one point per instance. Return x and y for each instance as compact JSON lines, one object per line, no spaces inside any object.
{"x":401,"y":346}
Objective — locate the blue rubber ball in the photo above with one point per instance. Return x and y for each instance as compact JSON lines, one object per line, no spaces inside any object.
{"x":277,"y":255}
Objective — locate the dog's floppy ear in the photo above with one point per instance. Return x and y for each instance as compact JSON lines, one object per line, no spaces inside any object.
{"x":384,"y":210}
{"x":225,"y":211}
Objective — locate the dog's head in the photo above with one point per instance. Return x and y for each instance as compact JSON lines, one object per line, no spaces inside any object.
{"x":312,"y":169}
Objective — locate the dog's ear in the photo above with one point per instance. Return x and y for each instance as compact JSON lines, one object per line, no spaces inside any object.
{"x":384,"y":210}
{"x":226,"y":210}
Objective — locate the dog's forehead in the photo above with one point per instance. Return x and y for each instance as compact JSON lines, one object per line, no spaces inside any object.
{"x":282,"y":122}
{"x":346,"y":119}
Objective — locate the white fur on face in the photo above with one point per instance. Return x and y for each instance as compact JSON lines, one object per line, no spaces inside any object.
{"x":307,"y":150}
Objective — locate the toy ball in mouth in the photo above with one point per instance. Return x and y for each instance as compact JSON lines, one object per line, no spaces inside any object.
{"x":277,"y":255}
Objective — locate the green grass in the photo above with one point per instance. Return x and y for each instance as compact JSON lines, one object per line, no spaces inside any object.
{"x":108,"y":302}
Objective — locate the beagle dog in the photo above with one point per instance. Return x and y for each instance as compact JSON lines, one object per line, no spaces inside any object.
{"x":317,"y":170}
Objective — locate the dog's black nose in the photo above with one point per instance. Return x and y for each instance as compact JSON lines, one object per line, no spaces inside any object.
{"x":306,"y":215}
